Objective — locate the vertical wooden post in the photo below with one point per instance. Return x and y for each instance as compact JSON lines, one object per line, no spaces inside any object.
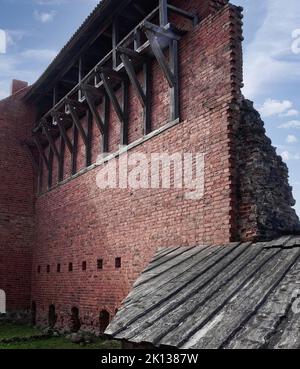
{"x":50,"y":170}
{"x":88,"y":147}
{"x":61,"y":162}
{"x":174,"y":91}
{"x":105,"y":136}
{"x":163,"y":13}
{"x":125,"y":101}
{"x":147,"y":91}
{"x":75,"y":147}
{"x":115,"y":40}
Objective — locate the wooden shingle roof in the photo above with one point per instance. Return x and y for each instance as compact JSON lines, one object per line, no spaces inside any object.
{"x":240,"y":295}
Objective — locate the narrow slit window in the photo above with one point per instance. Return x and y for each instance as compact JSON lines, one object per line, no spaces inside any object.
{"x":100,"y":264}
{"x":70,"y":267}
{"x":118,"y":263}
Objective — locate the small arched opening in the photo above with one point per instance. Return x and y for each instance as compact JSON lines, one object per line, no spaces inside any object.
{"x":103,"y":320}
{"x":52,"y":317}
{"x":75,"y":320}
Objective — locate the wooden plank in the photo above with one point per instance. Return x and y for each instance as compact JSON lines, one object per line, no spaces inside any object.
{"x":210,"y":289}
{"x":264,"y":329}
{"x":157,"y":51}
{"x":145,"y":299}
{"x":205,"y":275}
{"x":239,"y":310}
{"x":206,"y":310}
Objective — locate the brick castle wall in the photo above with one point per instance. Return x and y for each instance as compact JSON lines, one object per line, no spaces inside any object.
{"x":77,"y":222}
{"x":16,"y":200}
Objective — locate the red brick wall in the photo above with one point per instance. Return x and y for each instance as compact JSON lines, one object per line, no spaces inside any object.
{"x":16,"y":202}
{"x":78,"y":222}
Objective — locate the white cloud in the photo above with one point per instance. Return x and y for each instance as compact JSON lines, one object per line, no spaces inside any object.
{"x":291,"y":124}
{"x":290,"y":113}
{"x":286,"y":156}
{"x":275,"y":107}
{"x":269,"y":60}
{"x":44,"y":17}
{"x":291,"y":139}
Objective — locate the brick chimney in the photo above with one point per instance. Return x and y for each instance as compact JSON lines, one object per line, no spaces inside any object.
{"x":17,"y":86}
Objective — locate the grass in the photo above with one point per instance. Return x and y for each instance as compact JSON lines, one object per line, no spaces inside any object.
{"x":8,"y":331}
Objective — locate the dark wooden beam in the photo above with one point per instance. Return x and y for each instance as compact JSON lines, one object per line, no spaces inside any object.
{"x":75,"y":149}
{"x":134,"y":80}
{"x":147,"y":91}
{"x":76,"y":120}
{"x":61,"y":161}
{"x":89,"y":91}
{"x":125,"y":107}
{"x":157,"y":51}
{"x":163,"y":12}
{"x":131,"y":54}
{"x":115,"y":41}
{"x":63,"y":131}
{"x":50,"y":170}
{"x":105,"y":136}
{"x":111,"y":93}
{"x":88,"y":147}
{"x":168,"y":31}
{"x":50,"y":139}
{"x":41,"y":150}
{"x":174,"y":92}
{"x":137,"y":39}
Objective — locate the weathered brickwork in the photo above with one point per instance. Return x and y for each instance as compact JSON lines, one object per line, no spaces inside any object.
{"x":16,"y":200}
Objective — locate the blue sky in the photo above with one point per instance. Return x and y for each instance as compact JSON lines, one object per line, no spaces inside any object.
{"x":37,"y":29}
